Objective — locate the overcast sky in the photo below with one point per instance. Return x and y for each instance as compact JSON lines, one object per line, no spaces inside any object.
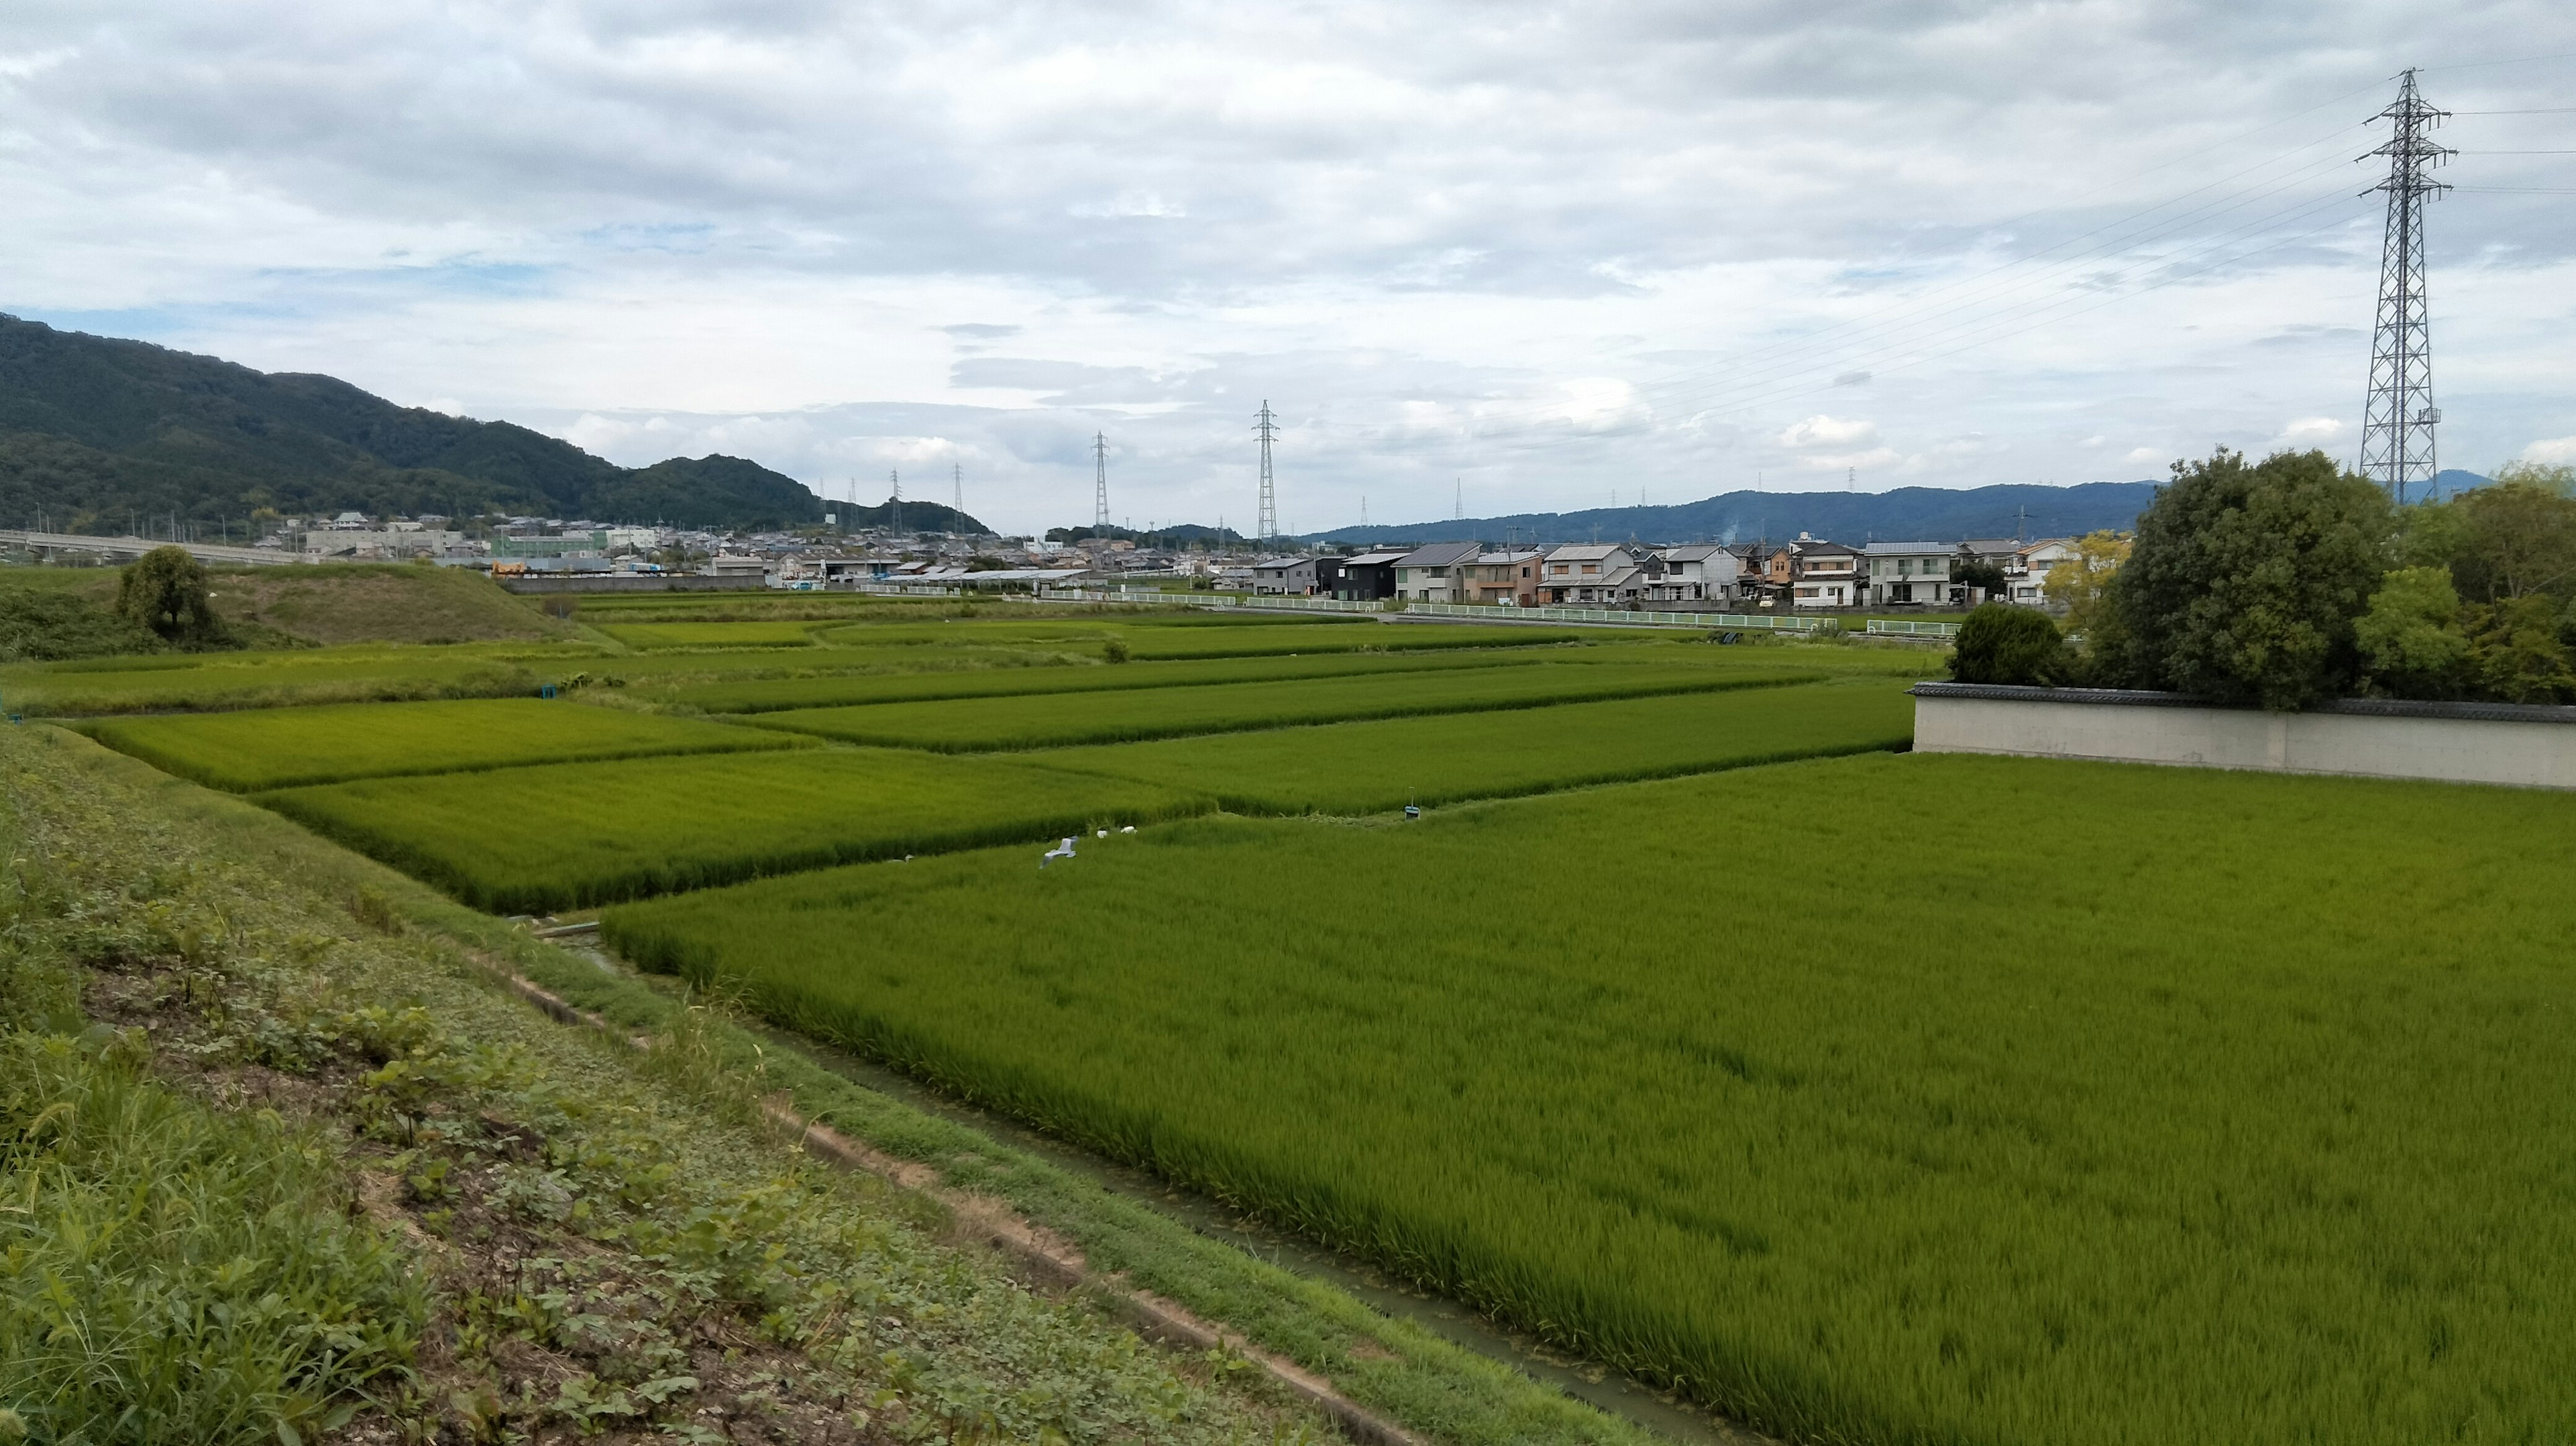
{"x":1533,"y":257}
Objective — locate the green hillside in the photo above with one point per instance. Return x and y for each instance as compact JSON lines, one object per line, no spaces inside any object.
{"x":96,"y":431}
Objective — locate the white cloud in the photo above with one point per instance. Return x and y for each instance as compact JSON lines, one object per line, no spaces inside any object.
{"x":2553,"y":449}
{"x":2308,"y":432}
{"x":1551,"y":250}
{"x":1824,"y":431}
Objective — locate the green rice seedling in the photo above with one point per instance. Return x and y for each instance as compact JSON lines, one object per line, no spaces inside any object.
{"x":170,"y":1274}
{"x":775,"y":694}
{"x":286,"y":747}
{"x":764,"y":634}
{"x":1050,"y":720}
{"x":364,"y":673}
{"x":2018,"y":1101}
{"x":1221,"y":642}
{"x":534,"y":840}
{"x":1357,"y":768}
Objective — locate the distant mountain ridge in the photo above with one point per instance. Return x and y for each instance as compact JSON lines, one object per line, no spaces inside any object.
{"x":97,"y":432}
{"x":1905,"y":514}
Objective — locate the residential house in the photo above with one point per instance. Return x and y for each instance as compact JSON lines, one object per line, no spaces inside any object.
{"x":1508,"y":578}
{"x":1580,"y":573}
{"x":1368,"y":577}
{"x":1908,"y":574}
{"x":1828,"y":575}
{"x":2026,"y":575}
{"x":1692,"y":573}
{"x":1284,"y":577}
{"x":1435,"y":573}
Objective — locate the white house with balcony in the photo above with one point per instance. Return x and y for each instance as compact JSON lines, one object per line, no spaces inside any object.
{"x":1908,"y":574}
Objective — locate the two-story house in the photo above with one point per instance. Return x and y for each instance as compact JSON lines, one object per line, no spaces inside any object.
{"x":1284,"y":577}
{"x":2026,"y":575}
{"x":1505,"y":578}
{"x":1579,"y":573}
{"x":1903,"y":574}
{"x":1368,"y":577}
{"x":1828,"y":575}
{"x":1695,"y":572}
{"x":1432,"y":574}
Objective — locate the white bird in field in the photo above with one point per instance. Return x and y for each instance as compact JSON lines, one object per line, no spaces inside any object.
{"x":1063,"y":850}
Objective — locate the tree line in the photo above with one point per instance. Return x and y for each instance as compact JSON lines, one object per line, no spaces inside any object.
{"x":2289,"y":582}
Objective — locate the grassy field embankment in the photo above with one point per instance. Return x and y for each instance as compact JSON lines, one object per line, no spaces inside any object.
{"x":2183,"y":1108}
{"x":282,"y":1164}
{"x":364,"y":1194}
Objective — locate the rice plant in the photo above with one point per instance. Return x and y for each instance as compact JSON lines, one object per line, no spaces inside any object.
{"x":536,"y":839}
{"x":1044,"y":720}
{"x":287,"y":747}
{"x":1895,"y":1099}
{"x":1357,"y":768}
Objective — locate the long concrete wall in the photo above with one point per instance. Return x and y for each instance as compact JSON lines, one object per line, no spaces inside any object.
{"x":2527,"y":747}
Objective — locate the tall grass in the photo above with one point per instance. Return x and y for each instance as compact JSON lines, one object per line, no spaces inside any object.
{"x":1990,"y":1100}
{"x":1369,"y":767}
{"x":287,"y":747}
{"x":168,"y":1274}
{"x":531,"y":840}
{"x":986,"y":724}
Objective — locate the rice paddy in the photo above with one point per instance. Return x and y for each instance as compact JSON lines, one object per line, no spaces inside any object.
{"x":1043,"y":720}
{"x":1990,"y":1100}
{"x":1361,"y":768}
{"x":559,"y":836}
{"x":283,"y":748}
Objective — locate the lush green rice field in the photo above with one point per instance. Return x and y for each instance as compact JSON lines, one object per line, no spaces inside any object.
{"x":362,"y":672}
{"x":284,"y":747}
{"x":1046,"y":720}
{"x":1355,"y":768}
{"x":532,"y":840}
{"x":1989,"y":1100}
{"x":766,"y":633}
{"x":773,"y":694}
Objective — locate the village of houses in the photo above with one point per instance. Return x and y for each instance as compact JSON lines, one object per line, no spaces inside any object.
{"x":1807,"y":574}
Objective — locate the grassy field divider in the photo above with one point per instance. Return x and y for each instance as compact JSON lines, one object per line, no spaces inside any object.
{"x":1395,"y":1368}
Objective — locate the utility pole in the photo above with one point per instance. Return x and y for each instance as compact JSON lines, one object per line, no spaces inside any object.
{"x":2398,"y":418}
{"x":1267,"y":428}
{"x":1100,"y":483}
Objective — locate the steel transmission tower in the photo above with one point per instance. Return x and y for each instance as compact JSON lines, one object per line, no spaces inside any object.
{"x":1099,"y":482}
{"x":957,"y":498}
{"x":894,"y":504}
{"x":1268,"y":526}
{"x":2397,"y":422}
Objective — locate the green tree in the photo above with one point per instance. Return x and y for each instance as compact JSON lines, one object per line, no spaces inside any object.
{"x":2000,"y":643}
{"x":165,"y":590}
{"x":2517,"y":538}
{"x":2516,"y":653}
{"x":2411,"y":640}
{"x":2244,"y":581}
{"x":1980,"y":574}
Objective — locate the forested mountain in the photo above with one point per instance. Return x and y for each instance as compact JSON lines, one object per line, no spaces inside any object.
{"x":96,"y":431}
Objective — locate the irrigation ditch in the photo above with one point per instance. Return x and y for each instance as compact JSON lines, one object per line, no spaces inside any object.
{"x":1595,"y":1384}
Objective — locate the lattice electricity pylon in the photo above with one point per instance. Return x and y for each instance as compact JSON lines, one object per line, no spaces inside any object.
{"x":2398,"y":419}
{"x":1100,"y":482}
{"x":1267,"y":428}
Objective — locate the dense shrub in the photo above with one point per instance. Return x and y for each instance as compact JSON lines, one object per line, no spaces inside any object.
{"x":2000,"y":643}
